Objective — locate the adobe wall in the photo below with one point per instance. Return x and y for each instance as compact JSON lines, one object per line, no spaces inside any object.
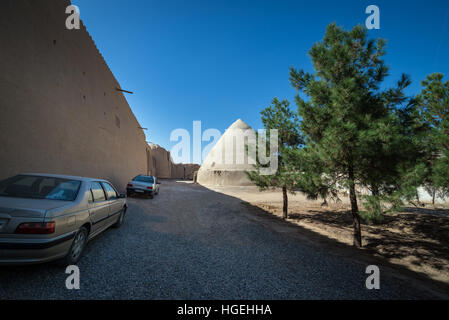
{"x":190,"y":169}
{"x":177,"y":171}
{"x":151,"y":162}
{"x":183,"y":171}
{"x":164,"y":167}
{"x":162,"y":161}
{"x":59,"y":108}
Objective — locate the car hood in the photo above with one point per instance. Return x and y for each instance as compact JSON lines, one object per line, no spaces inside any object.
{"x":24,"y":207}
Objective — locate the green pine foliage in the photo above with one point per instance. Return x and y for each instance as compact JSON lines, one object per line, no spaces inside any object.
{"x":279,"y":116}
{"x":352,"y":128}
{"x":433,"y":102}
{"x":351,"y":133}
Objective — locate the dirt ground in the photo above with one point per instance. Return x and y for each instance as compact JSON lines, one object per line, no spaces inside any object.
{"x":417,"y":238}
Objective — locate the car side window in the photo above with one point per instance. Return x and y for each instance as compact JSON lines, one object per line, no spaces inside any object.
{"x":110,"y":191}
{"x":97,"y":191}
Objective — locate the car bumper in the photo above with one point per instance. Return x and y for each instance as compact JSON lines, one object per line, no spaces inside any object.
{"x":139,"y":191}
{"x":31,"y":251}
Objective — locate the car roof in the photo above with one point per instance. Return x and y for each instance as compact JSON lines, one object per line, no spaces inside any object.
{"x":62,"y":176}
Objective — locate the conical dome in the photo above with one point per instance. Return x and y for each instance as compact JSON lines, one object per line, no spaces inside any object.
{"x":239,"y":124}
{"x":228,"y":160}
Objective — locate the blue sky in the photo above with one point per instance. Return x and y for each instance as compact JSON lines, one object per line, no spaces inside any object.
{"x":220,"y":60}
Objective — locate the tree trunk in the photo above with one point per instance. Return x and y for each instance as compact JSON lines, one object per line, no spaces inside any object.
{"x":375,"y":190}
{"x":285,"y":206}
{"x":433,"y":196}
{"x":354,"y":209}
{"x":324,"y":204}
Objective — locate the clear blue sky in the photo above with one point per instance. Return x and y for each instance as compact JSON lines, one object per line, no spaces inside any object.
{"x":220,"y":60}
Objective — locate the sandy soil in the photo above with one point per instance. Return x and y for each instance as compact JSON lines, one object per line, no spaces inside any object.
{"x":417,"y":239}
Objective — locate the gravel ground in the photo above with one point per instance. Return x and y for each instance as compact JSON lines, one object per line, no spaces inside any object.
{"x":190,"y":242}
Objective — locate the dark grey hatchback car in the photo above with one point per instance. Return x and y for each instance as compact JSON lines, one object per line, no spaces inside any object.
{"x":45,"y":217}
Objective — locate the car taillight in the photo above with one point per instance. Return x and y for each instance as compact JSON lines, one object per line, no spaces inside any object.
{"x":150,"y":188}
{"x":36,"y":228}
{"x":130,"y":185}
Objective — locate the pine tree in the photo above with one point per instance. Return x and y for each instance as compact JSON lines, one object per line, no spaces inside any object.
{"x":350,"y":126}
{"x":279,"y":116}
{"x":433,"y":102}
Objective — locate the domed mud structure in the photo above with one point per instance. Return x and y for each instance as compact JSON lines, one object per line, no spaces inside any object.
{"x":228,"y":160}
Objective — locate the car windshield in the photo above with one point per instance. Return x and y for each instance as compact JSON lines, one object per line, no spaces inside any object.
{"x":144,"y":179}
{"x":40,"y":187}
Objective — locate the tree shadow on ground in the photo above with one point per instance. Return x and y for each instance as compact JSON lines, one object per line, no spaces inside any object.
{"x":417,"y":236}
{"x":422,"y":237}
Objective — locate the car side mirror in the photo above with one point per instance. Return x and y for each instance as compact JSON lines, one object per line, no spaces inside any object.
{"x":122,"y":195}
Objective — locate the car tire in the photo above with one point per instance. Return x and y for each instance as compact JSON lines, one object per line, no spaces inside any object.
{"x":120,"y":219}
{"x":150,"y":196}
{"x":77,"y":248}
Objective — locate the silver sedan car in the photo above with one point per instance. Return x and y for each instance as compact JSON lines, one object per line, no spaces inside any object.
{"x":45,"y":217}
{"x":143,"y":185}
